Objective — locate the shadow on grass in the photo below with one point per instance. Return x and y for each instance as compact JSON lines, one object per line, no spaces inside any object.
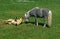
{"x":42,"y":24}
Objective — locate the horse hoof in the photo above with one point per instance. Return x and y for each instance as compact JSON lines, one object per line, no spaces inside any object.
{"x":37,"y":25}
{"x":44,"y":26}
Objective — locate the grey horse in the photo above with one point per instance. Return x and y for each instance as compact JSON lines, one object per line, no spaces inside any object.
{"x":37,"y":12}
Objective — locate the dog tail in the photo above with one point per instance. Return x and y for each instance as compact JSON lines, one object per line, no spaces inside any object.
{"x":49,"y":18}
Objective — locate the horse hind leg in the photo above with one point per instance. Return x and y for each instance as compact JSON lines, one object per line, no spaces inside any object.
{"x":48,"y":19}
{"x":45,"y":22}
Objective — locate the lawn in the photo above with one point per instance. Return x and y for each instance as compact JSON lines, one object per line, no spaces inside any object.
{"x":14,"y":8}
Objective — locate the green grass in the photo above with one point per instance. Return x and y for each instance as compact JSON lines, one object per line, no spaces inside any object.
{"x":12,"y":9}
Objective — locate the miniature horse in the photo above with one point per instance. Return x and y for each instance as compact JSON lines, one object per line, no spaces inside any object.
{"x":37,"y":12}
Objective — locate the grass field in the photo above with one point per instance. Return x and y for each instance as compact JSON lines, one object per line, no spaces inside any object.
{"x":14,"y":8}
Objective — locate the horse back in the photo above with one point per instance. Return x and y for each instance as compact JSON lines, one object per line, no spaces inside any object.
{"x":39,"y":12}
{"x":42,"y":12}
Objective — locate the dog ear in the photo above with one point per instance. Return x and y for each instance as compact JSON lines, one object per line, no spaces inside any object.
{"x":16,"y":19}
{"x":22,"y":17}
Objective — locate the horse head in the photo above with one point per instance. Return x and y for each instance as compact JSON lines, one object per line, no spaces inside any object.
{"x":27,"y":17}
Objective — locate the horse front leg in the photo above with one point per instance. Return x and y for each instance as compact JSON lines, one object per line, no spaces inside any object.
{"x":36,"y":21}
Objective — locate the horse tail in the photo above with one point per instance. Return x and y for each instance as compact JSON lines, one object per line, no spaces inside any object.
{"x":49,"y":18}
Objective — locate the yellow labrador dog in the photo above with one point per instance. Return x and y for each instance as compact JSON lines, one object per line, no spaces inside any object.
{"x":14,"y":21}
